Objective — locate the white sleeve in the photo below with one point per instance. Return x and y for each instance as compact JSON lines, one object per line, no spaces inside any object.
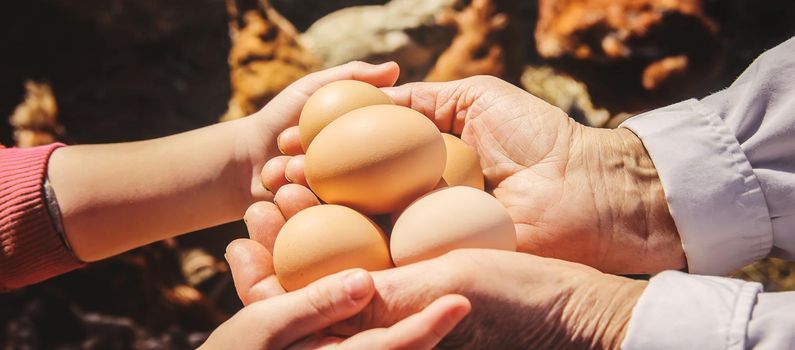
{"x":681,"y":311}
{"x":727,"y":166}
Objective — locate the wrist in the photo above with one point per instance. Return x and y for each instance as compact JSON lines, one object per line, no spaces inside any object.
{"x":599,"y":312}
{"x":630,"y":200}
{"x":255,"y":144}
{"x":622,"y":302}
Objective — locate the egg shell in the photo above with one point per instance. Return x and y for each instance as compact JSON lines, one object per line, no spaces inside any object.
{"x":463,"y":164}
{"x":451,"y":218}
{"x":393,"y":216}
{"x":325,"y":239}
{"x":376,"y":159}
{"x":461,"y":169}
{"x":333,"y":100}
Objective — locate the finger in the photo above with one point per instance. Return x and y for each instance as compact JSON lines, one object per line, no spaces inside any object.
{"x":289,"y":142}
{"x":289,"y":102}
{"x":317,"y":342}
{"x":294,"y":170}
{"x":379,"y":75}
{"x":252,"y":271}
{"x":292,"y":198}
{"x":263,"y":221}
{"x":324,"y":302}
{"x":272,"y":175}
{"x":422,"y":330}
{"x":437,"y":101}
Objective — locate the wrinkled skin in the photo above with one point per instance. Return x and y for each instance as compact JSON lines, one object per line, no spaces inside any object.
{"x":519,"y":301}
{"x":575,"y":193}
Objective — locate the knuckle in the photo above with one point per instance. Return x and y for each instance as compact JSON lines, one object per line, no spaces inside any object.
{"x":457,"y":254}
{"x":458,"y":265}
{"x":477,"y":78}
{"x":323,"y":301}
{"x":356,"y":64}
{"x":485,"y":80}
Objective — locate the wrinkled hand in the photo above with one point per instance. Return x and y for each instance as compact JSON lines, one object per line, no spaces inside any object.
{"x":519,"y":301}
{"x":575,"y":193}
{"x":291,"y":320}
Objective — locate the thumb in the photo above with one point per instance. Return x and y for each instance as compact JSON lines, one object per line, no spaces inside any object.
{"x":329,"y":300}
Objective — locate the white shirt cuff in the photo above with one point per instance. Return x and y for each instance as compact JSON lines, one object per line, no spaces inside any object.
{"x":681,"y":311}
{"x":772,"y":323}
{"x":712,"y":192}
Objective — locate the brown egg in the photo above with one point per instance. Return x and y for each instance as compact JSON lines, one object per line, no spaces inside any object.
{"x":451,"y":218}
{"x":376,"y":159}
{"x":463,"y":164}
{"x":393,"y":216}
{"x":461,"y":169}
{"x":325,"y":239}
{"x":333,"y":100}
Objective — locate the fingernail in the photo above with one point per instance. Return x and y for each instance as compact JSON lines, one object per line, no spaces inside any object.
{"x":357,"y":284}
{"x":262,"y":182}
{"x":279,"y":144}
{"x":226,"y":250}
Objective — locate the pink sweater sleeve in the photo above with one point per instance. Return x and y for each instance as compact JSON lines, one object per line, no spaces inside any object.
{"x":31,"y":250}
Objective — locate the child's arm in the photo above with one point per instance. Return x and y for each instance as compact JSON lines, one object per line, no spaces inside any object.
{"x":116,"y":197}
{"x":120,"y":196}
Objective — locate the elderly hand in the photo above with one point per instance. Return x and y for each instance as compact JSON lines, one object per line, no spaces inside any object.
{"x":575,"y":193}
{"x":519,"y":301}
{"x":292,"y":320}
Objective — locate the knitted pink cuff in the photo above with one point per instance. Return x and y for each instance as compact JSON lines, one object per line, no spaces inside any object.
{"x":31,"y":250}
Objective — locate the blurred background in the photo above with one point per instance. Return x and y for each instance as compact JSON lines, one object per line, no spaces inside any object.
{"x":95,"y":71}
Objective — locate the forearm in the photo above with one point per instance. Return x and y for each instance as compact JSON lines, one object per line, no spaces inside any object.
{"x":117,"y":197}
{"x":528,"y":302}
{"x":582,"y":308}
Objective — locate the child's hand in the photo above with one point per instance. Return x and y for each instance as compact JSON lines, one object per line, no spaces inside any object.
{"x":293,"y":320}
{"x":261,"y":130}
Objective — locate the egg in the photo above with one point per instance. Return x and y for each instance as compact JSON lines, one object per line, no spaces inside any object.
{"x":463,"y":164}
{"x":447,"y":219}
{"x":393,"y":216}
{"x":376,"y":159}
{"x":462,"y":168}
{"x":333,"y":100}
{"x":325,"y":239}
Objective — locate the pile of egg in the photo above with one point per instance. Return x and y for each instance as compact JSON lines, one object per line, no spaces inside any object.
{"x":366,"y":157}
